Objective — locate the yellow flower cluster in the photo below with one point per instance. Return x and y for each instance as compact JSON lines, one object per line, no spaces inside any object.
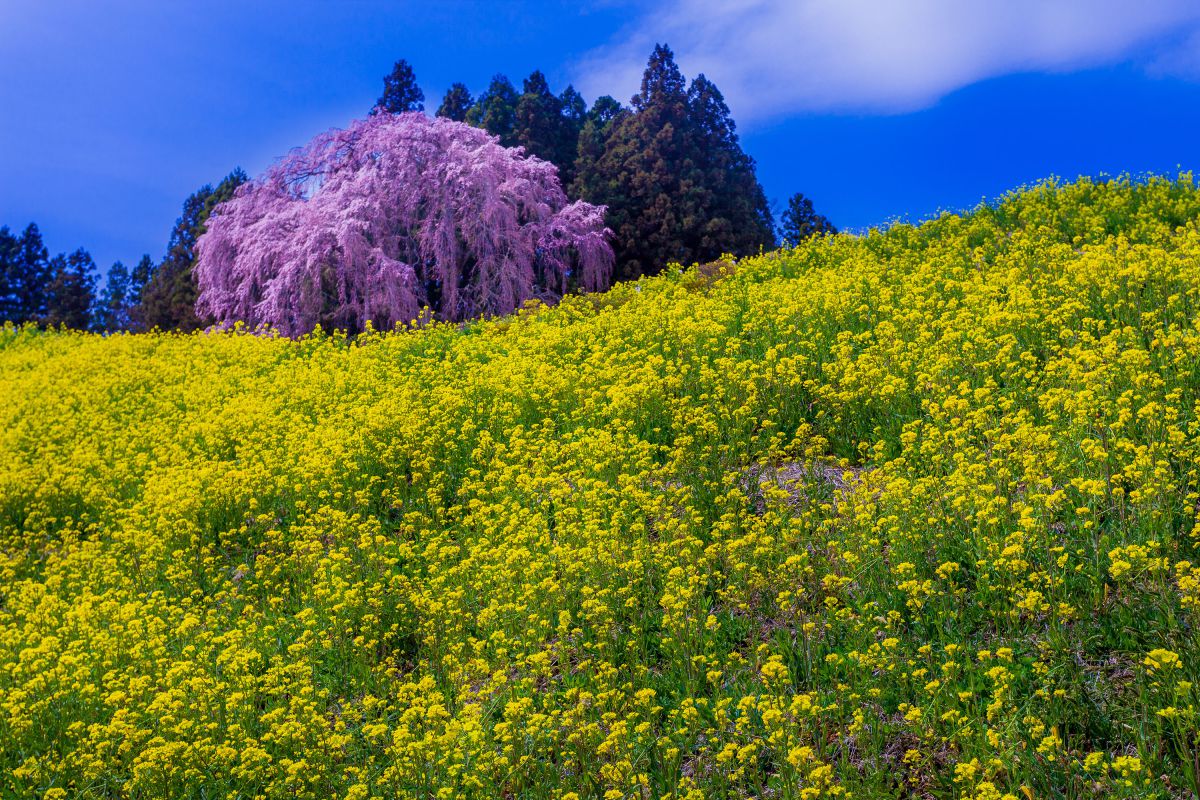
{"x":911,"y":513}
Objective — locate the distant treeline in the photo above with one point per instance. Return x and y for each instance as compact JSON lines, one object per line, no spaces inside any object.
{"x":669,"y":167}
{"x":62,"y":290}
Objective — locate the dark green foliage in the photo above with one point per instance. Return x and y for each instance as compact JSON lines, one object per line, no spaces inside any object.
{"x":24,"y":275}
{"x":643,"y":171}
{"x":605,"y":110}
{"x":574,"y":108}
{"x":168,"y":299}
{"x":10,"y":275}
{"x":548,"y":126}
{"x":738,"y":218}
{"x":574,"y":117}
{"x":800,"y":221}
{"x":112,"y":310}
{"x":400,"y":91}
{"x":590,"y":148}
{"x":139,"y":278}
{"x":496,"y":110}
{"x":677,"y":185}
{"x":456,"y":103}
{"x":71,"y":292}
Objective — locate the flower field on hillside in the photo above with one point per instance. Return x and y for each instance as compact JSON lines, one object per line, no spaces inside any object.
{"x":907,"y":514}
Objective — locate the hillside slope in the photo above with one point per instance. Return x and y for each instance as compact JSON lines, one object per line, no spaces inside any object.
{"x":907,"y":514}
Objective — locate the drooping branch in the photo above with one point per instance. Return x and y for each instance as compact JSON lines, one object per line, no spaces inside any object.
{"x":391,"y":215}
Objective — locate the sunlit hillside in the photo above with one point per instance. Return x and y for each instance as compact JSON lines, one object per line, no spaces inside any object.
{"x":909,"y":514}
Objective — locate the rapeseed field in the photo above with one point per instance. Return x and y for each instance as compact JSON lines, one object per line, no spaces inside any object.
{"x":905,"y":514}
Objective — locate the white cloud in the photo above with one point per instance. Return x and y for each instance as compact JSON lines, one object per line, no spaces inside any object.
{"x":775,"y":57}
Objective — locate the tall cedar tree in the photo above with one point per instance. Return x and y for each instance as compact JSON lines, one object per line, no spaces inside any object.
{"x":574,"y":115}
{"x":547,"y":127}
{"x":72,"y":290}
{"x":496,"y":111}
{"x":677,"y":185}
{"x":673,"y":175}
{"x":738,"y":218}
{"x":168,"y":299}
{"x":456,"y":103}
{"x":24,"y":275}
{"x":112,"y":310}
{"x":138,"y":280}
{"x":400,"y":91}
{"x":801,"y":221}
{"x":597,"y":126}
{"x":641,"y":173}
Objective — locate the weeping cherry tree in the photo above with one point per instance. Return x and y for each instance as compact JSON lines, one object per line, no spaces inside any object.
{"x":395,"y":214}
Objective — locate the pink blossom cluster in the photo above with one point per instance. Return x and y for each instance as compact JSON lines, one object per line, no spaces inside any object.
{"x":392,"y":215}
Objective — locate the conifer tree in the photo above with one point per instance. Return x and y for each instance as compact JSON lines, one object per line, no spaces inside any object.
{"x":801,"y":221}
{"x":456,"y":103}
{"x":139,"y":277}
{"x":112,"y":309}
{"x":168,"y":298}
{"x":589,"y":180}
{"x":24,"y":275}
{"x":546,"y":127}
{"x":71,"y":293}
{"x":496,"y":110}
{"x":538,"y":119}
{"x":574,"y":116}
{"x":737,"y":218}
{"x":574,"y":107}
{"x":400,"y":91}
{"x":645,"y":173}
{"x":10,"y":276}
{"x":677,"y":184}
{"x":604,"y":112}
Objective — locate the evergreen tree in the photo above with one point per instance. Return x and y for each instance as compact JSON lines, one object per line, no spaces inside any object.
{"x":589,"y":149}
{"x":574,"y":117}
{"x":737,"y":217}
{"x":544,"y":128}
{"x":400,"y":91}
{"x":801,"y":220}
{"x":677,"y":184}
{"x":24,"y":275}
{"x":645,"y":173}
{"x":34,"y":276}
{"x":604,"y":112}
{"x":139,"y":278}
{"x":456,"y":103}
{"x":496,"y":110}
{"x":574,"y":107}
{"x":9,"y":276}
{"x":168,"y":298}
{"x":112,"y":311}
{"x":71,"y":293}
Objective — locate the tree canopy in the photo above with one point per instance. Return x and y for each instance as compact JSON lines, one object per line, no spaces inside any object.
{"x":456,"y":103}
{"x":391,"y":215}
{"x":71,"y":292}
{"x":800,"y":220}
{"x":400,"y":91}
{"x":496,"y":110}
{"x":25,"y":275}
{"x":168,"y":299}
{"x":672,"y":173}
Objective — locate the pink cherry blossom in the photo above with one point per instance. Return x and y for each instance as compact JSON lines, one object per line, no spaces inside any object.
{"x":395,"y":214}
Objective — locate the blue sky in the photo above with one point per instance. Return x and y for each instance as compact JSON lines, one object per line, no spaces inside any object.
{"x":111,"y":113}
